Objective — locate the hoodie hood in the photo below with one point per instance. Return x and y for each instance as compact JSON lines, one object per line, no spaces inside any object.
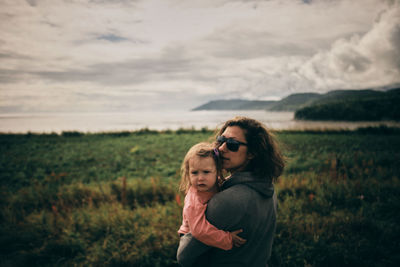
{"x":265,"y":188}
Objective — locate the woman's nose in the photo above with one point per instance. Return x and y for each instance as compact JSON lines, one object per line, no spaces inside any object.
{"x":222,"y":147}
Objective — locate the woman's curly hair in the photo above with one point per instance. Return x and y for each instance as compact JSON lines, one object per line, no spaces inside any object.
{"x":267,"y":160}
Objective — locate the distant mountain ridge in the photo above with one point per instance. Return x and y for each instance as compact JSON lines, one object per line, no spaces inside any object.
{"x":292,"y":102}
{"x":289,"y":103}
{"x":235,"y":104}
{"x":345,"y":105}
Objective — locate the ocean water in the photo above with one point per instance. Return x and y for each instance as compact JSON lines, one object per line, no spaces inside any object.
{"x":159,"y":120}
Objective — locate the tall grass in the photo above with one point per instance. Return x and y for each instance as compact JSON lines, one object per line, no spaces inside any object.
{"x":116,"y":223}
{"x":112,"y":199}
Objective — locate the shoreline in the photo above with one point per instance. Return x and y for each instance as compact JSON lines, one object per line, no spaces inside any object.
{"x":363,"y":129}
{"x":167,"y":121}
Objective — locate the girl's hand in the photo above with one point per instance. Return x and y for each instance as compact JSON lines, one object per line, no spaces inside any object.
{"x":237,"y":241}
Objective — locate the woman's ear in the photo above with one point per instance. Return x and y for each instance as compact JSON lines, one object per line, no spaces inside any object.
{"x":250,"y":156}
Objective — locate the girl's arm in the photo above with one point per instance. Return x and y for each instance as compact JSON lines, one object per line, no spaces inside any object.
{"x":184,"y":229}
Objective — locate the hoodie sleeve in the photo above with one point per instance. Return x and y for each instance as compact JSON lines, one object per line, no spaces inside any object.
{"x":191,"y":252}
{"x":203,"y":230}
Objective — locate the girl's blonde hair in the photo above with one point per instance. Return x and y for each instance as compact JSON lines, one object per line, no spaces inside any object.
{"x":203,"y":150}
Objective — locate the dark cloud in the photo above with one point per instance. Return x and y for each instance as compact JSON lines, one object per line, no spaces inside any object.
{"x":128,"y":2}
{"x":116,"y":38}
{"x":112,"y":38}
{"x":11,"y":108}
{"x":12,"y":76}
{"x":32,"y":3}
{"x":122,"y":73}
{"x":49,"y":23}
{"x":174,"y":64}
{"x":251,"y":50}
{"x":5,"y":16}
{"x":231,"y":43}
{"x":13,"y":55}
{"x":9,"y":75}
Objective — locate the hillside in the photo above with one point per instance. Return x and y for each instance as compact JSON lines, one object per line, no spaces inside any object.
{"x":348,"y":95}
{"x":340,"y":105}
{"x":294,"y":102}
{"x":365,"y":105}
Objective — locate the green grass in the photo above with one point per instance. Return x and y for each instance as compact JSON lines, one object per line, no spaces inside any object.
{"x":112,"y":199}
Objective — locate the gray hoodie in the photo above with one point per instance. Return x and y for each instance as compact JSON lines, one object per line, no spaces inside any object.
{"x":247,"y":203}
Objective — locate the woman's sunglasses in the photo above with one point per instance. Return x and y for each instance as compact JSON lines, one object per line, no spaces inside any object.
{"x":232,"y":144}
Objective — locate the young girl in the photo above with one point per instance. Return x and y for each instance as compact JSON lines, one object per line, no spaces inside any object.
{"x":201,"y":171}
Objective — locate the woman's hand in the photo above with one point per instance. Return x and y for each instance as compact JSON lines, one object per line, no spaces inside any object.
{"x":237,"y":241}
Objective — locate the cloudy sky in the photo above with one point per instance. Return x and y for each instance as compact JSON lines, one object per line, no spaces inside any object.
{"x":125,"y":55}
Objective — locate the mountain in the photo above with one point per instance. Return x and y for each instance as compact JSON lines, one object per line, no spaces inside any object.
{"x":352,"y":105}
{"x":235,"y":104}
{"x":338,"y":95}
{"x":297,"y":101}
{"x":344,"y":105}
{"x":294,"y":101}
{"x":290,"y":103}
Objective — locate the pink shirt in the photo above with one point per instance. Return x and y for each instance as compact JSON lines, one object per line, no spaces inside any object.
{"x":195,"y":222}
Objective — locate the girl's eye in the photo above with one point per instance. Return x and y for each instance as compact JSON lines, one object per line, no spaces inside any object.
{"x":206,"y":171}
{"x":194,"y":172}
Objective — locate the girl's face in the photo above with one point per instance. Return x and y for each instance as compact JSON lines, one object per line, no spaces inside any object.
{"x":203,"y":174}
{"x":234,"y":160}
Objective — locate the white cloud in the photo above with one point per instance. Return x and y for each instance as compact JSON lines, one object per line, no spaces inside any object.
{"x":369,"y":60}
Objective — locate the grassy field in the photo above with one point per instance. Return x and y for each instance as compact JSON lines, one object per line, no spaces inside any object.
{"x":112,"y":199}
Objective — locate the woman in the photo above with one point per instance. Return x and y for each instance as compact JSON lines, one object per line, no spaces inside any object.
{"x":249,"y":152}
